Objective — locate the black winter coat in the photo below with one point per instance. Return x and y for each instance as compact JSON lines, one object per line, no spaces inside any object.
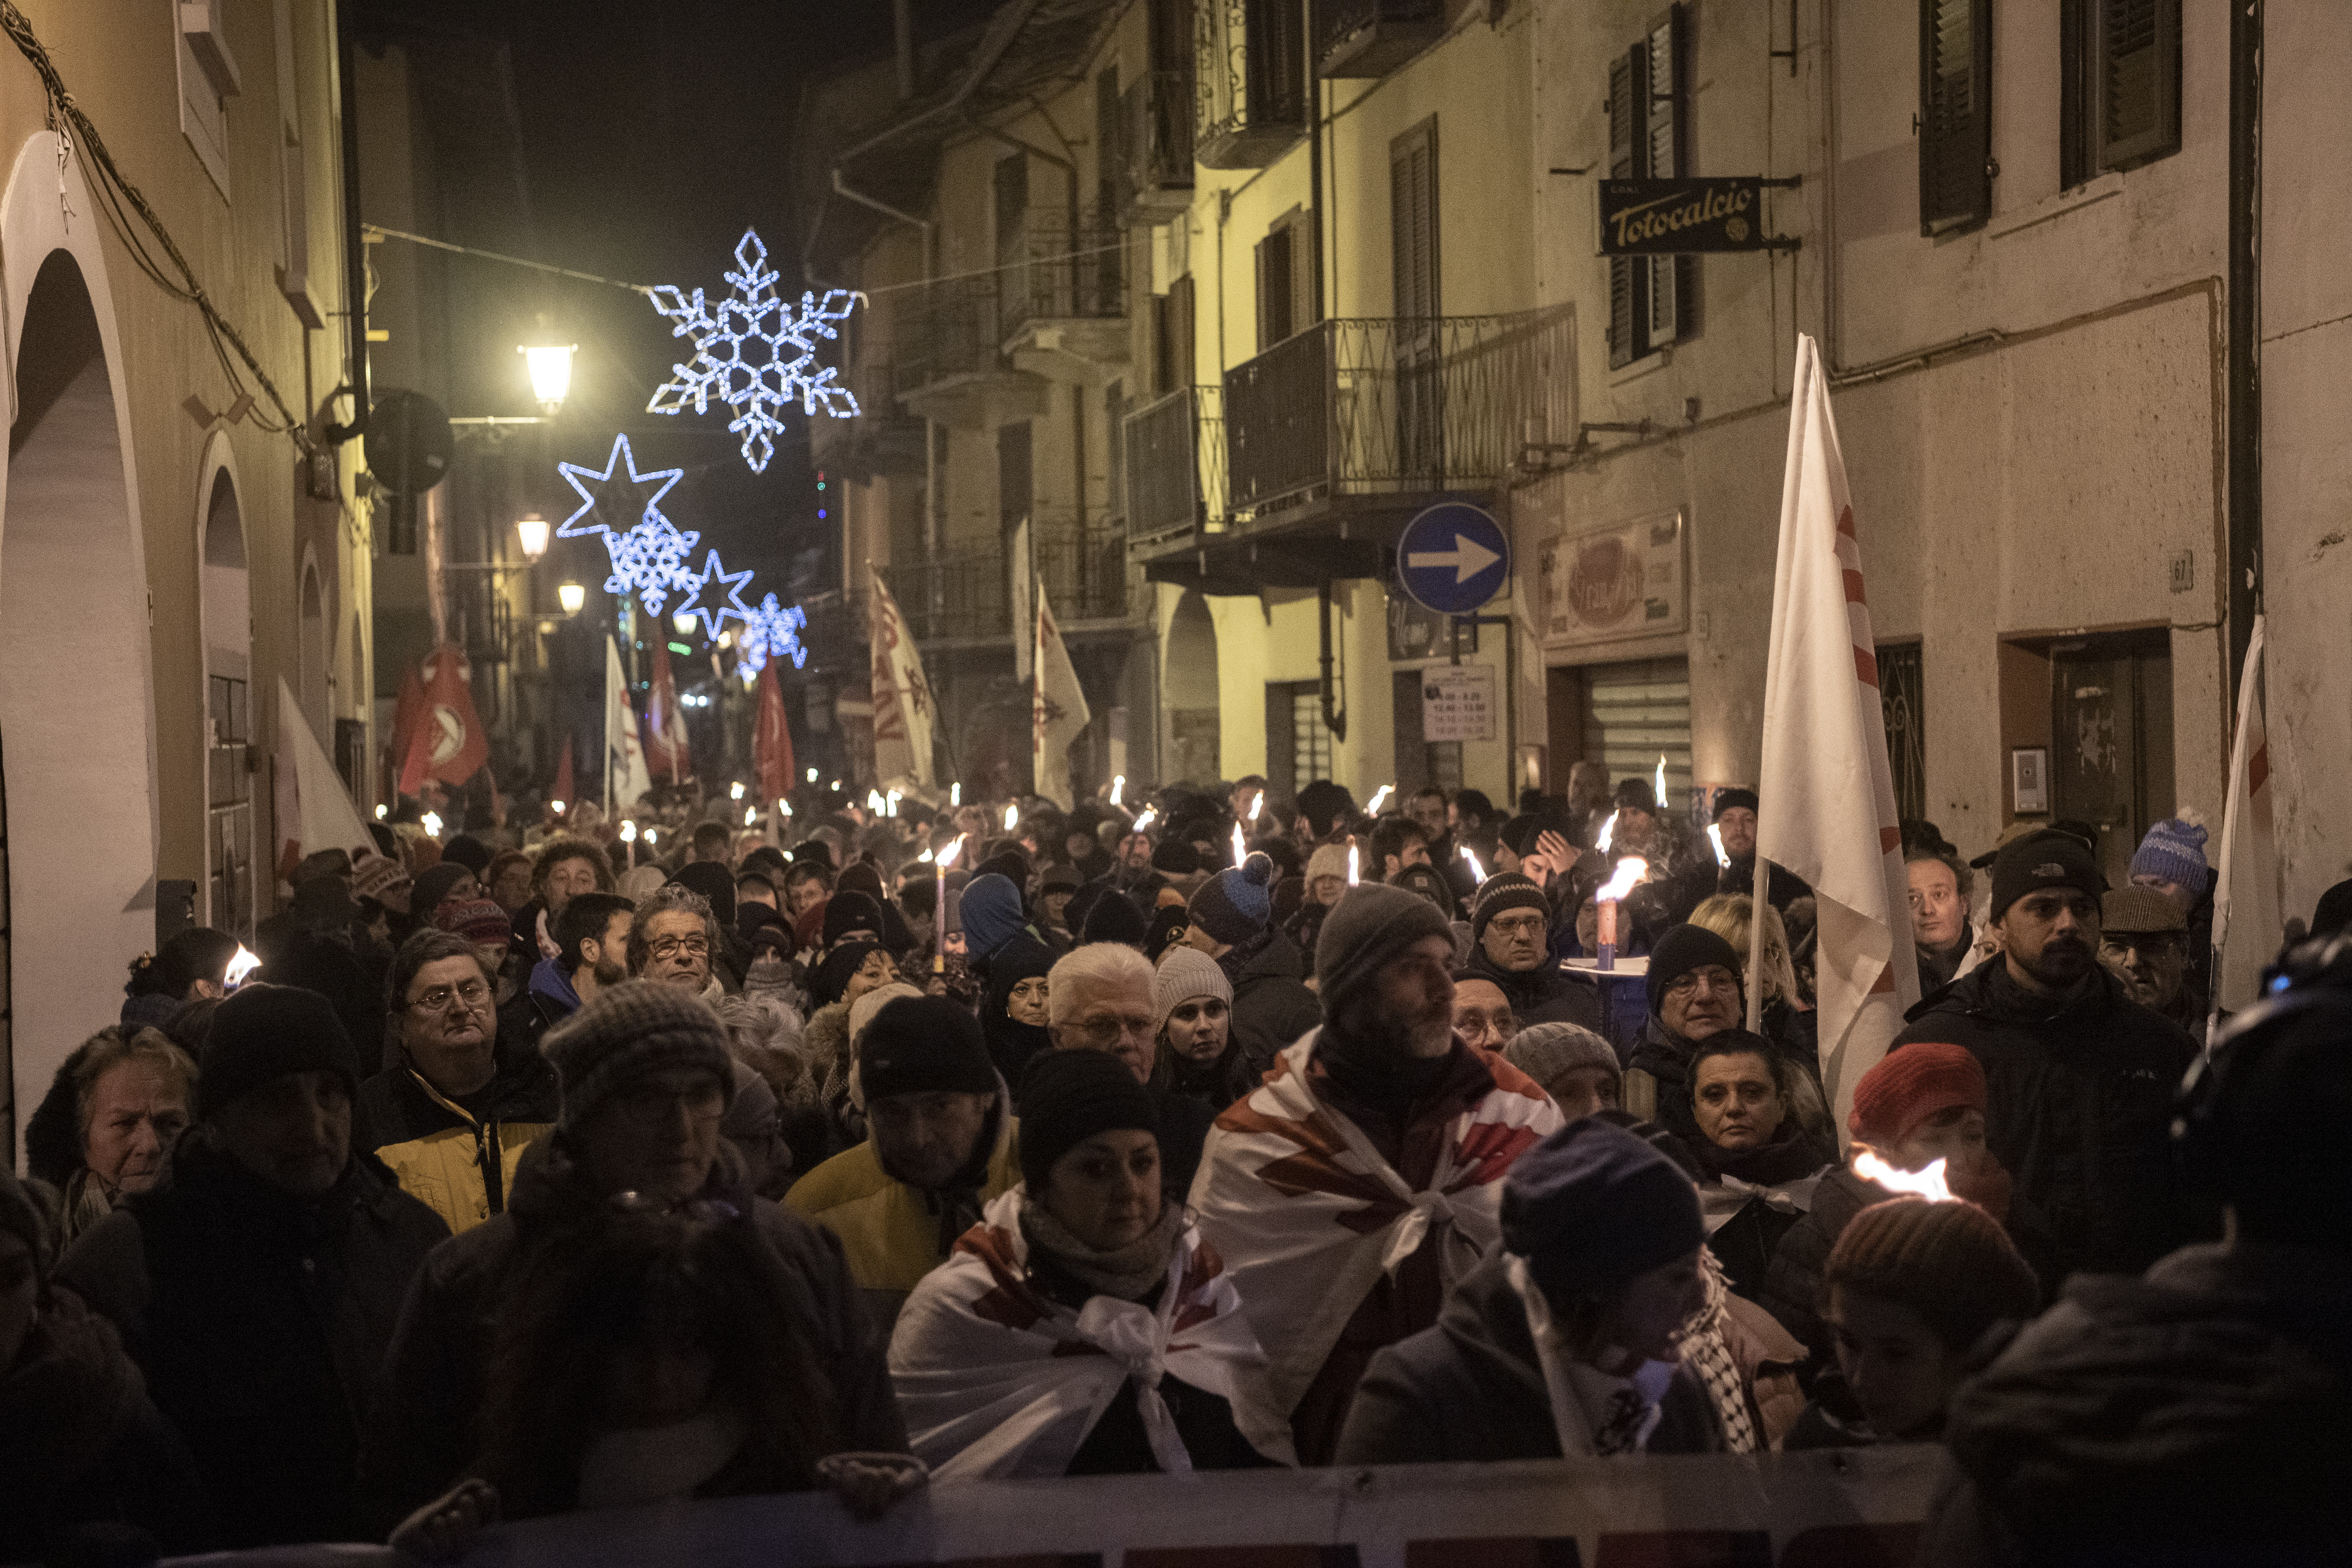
{"x":1470,"y":1387}
{"x":437,"y":1369}
{"x":2079,"y":1109}
{"x":1541,"y":995}
{"x":260,"y":1320}
{"x":1272,"y":1006}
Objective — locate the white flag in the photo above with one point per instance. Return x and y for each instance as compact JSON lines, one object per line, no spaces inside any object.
{"x":902,"y":698}
{"x":1827,"y":795}
{"x":1060,"y":707}
{"x":314,"y":810}
{"x":2246,"y":888}
{"x":626,"y":776}
{"x":1022,"y":574}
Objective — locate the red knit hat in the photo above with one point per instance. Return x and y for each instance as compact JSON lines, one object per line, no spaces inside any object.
{"x":1910,"y":1085}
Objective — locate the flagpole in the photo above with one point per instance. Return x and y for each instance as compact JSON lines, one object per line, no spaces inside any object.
{"x":2235,"y":802}
{"x":1756,"y":905}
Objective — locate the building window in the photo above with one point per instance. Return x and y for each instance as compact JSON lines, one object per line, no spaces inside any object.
{"x":1955,"y":114}
{"x":209,"y":80}
{"x":1652,"y":299}
{"x":1287,"y":296}
{"x":2119,"y":85}
{"x":1297,"y":742}
{"x":1902,"y":692}
{"x":293,"y":181}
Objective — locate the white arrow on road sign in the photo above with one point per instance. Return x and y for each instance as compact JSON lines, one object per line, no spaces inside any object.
{"x":1468,"y":558}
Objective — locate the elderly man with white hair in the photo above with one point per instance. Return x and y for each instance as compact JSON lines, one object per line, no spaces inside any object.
{"x":1098,"y":998}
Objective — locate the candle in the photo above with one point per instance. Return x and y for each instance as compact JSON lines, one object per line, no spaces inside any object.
{"x":1354,"y":869}
{"x":946,"y":858}
{"x":1630,"y":871}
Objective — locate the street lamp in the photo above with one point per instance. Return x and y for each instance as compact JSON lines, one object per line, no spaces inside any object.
{"x":550,"y":374}
{"x":573,"y":597}
{"x":531,"y":531}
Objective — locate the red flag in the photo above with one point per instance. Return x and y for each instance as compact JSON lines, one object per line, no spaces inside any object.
{"x":665,"y":749}
{"x":562,"y":790}
{"x":448,"y":741}
{"x":404,"y":715}
{"x":771,"y":739}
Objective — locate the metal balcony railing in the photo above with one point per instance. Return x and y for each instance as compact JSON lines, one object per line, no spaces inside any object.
{"x":1248,"y":102}
{"x":1155,"y":175}
{"x":1372,"y":38}
{"x":967,"y":595}
{"x":1377,"y":405}
{"x":1176,"y":464}
{"x":943,"y":330}
{"x":1064,"y":273}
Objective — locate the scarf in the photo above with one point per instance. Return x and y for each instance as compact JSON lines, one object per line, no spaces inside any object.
{"x":1311,"y":1216}
{"x":1128,"y":1272}
{"x":996,"y":1379}
{"x":87,"y":1202}
{"x":1706,"y":1354}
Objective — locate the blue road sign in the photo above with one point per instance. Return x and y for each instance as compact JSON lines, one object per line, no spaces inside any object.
{"x":1454,"y":558}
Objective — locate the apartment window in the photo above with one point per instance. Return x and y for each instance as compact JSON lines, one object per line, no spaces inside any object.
{"x":1172,"y":330}
{"x":209,"y":80}
{"x":1015,"y":473}
{"x":1902,"y":701}
{"x":1287,"y":294}
{"x":1011,"y":205}
{"x":1297,"y":740}
{"x":293,"y":181}
{"x":1110,"y":145}
{"x":2119,"y":85}
{"x":1115,"y":445}
{"x":1955,"y":114}
{"x":1412,"y":244}
{"x":1652,"y":299}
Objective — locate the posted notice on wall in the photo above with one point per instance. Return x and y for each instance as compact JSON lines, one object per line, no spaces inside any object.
{"x":1457,"y":702}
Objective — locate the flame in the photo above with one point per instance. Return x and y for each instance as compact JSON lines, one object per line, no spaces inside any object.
{"x":1257,"y":803}
{"x":1629,"y":875}
{"x":873,"y":801}
{"x":243,"y":964}
{"x":926,"y":856}
{"x":947,"y":856}
{"x":383,"y":811}
{"x":1928,"y":1184}
{"x":812,"y":775}
{"x":1658,"y":782}
{"x":1478,"y":872}
{"x":1241,"y":845}
{"x":1354,"y":867}
{"x":554,"y":805}
{"x":955,"y":792}
{"x":649,"y":836}
{"x":431,"y":823}
{"x":892,"y":802}
{"x":1715,"y":837}
{"x":1151,"y":815}
{"x":1011,"y":815}
{"x":628,"y":832}
{"x":751,"y":816}
{"x":1117,"y":787}
{"x":735,"y":790}
{"x":785,"y":805}
{"x":1378,"y":795}
{"x":1608,"y":834}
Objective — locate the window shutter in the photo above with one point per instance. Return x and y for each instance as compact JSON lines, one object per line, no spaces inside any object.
{"x":1628,"y":283}
{"x":1277,"y":286}
{"x":1955,"y":114}
{"x":1666,"y":153}
{"x":1413,"y":220}
{"x":2137,"y":81}
{"x":1014,"y":489}
{"x":1179,"y":370}
{"x":1012,"y":204}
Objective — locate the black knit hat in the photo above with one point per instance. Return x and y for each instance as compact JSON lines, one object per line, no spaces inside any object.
{"x":849,"y":911}
{"x":923,"y":1045}
{"x":1682,"y":949}
{"x":1504,"y":890}
{"x":833,"y":974}
{"x":1634,"y":794}
{"x":263,"y":1033}
{"x":1067,"y":1097}
{"x":2047,"y":859}
{"x":626,"y":1033}
{"x":1176,"y":856}
{"x":1725,"y":800}
{"x":1593,"y":1207}
{"x":1114,"y":917}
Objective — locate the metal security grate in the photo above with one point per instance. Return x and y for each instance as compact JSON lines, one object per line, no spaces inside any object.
{"x":1636,"y":712}
{"x":1902,"y":692}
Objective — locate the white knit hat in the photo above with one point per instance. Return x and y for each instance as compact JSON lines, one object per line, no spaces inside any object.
{"x":1185,"y":973}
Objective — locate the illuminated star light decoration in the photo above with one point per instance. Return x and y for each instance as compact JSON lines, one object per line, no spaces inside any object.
{"x":703,"y":597}
{"x":651,"y":560}
{"x":617,"y":500}
{"x":772,"y":631}
{"x":754,"y":353}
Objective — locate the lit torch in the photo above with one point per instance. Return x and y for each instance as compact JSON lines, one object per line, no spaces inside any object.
{"x":1257,"y":803}
{"x":1928,"y":1184}
{"x":946,"y":858}
{"x":1151,"y":815}
{"x":240,"y":967}
{"x":1629,"y":872}
{"x":735,"y":791}
{"x":1658,"y":784}
{"x":1478,"y":872}
{"x":1608,"y":834}
{"x":1011,"y":815}
{"x":751,"y":816}
{"x":1241,"y":845}
{"x":1354,"y":865}
{"x":1117,"y":787}
{"x":1379,"y":796}
{"x":1715,"y":837}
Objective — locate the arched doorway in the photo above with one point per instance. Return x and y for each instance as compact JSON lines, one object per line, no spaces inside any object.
{"x":228,"y":708}
{"x":77,"y":696}
{"x":1189,"y":682}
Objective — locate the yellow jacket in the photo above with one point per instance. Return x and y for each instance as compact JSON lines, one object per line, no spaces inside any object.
{"x":890,"y":1230}
{"x":460,"y":1167}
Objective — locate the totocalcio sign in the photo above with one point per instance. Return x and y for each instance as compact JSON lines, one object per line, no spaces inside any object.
{"x":1666,"y":217}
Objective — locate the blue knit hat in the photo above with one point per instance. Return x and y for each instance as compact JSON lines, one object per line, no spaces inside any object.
{"x":1234,"y":905}
{"x":1593,"y":1207}
{"x":2174,"y":850}
{"x":991,"y":913}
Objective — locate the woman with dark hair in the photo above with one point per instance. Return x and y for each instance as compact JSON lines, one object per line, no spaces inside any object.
{"x":1760,"y":1161}
{"x":194,"y":962}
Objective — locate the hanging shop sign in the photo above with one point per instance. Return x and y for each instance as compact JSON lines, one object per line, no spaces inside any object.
{"x":1457,"y":702}
{"x":1668,"y":217}
{"x":1626,"y":581}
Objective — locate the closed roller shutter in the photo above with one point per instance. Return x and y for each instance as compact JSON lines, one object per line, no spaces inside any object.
{"x":1636,"y":712}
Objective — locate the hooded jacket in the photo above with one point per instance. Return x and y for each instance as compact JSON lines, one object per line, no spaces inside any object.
{"x":459,"y":1162}
{"x":260,"y":1320}
{"x":1471,"y":1388}
{"x":437,"y":1370}
{"x":2079,"y":1092}
{"x":1272,"y":1006}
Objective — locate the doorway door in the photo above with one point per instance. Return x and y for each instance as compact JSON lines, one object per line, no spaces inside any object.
{"x":2110,"y":739}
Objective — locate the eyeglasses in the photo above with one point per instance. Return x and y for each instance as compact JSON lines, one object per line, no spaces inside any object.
{"x":1518,"y":925}
{"x":470,"y":995}
{"x":673,"y":946}
{"x":1102,"y":1031}
{"x":1716,"y":979}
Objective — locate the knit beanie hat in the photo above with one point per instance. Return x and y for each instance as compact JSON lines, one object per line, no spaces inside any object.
{"x":1504,"y":890}
{"x":1328,"y":860}
{"x":991,"y":913}
{"x":1366,"y":929}
{"x":1184,"y":974}
{"x":1593,"y":1207}
{"x":478,"y":920}
{"x":862,"y":1011}
{"x":2045,"y":859}
{"x":623,"y":1035}
{"x":1950,"y":1262}
{"x":1683,"y":950}
{"x":850,"y":912}
{"x":833,"y":974}
{"x":1634,"y":794}
{"x":468,"y":851}
{"x":1067,"y":1097}
{"x":751,"y":1105}
{"x":1544,"y":1051}
{"x":1234,"y":905}
{"x":2174,"y":850}
{"x":925,"y":1044}
{"x":374,"y":874}
{"x":715,"y":882}
{"x":1114,"y":917}
{"x":1176,"y":856}
{"x":263,"y":1033}
{"x":639,"y":880}
{"x":433,"y":885}
{"x":1730,"y":799}
{"x":1912,"y":1084}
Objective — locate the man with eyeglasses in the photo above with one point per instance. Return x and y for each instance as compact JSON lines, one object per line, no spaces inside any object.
{"x":451,"y":1118}
{"x":1695,"y":995}
{"x":672,"y":940}
{"x":2144,"y":937}
{"x":1510,"y":948}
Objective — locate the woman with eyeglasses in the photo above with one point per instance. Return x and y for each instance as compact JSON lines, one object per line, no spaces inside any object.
{"x":452,"y":1118}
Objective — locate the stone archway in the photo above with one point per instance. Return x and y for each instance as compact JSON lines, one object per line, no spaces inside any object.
{"x":230,"y":891}
{"x":1189,"y":685}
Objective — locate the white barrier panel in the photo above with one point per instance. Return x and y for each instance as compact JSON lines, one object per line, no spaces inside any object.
{"x":1858,"y":1508}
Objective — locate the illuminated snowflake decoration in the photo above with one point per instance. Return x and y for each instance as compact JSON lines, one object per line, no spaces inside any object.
{"x":651,"y":560}
{"x":716,"y":595}
{"x":753,"y":354}
{"x":772,"y":631}
{"x":619,"y":498}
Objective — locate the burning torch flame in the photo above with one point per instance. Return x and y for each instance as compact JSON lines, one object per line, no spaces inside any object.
{"x":1928,"y":1184}
{"x":1257,"y":803}
{"x":1379,"y":796}
{"x":1353,"y":867}
{"x":1241,"y":845}
{"x":892,"y":802}
{"x":1629,"y":872}
{"x":1012,"y":817}
{"x":947,"y":856}
{"x":735,"y":791}
{"x":649,"y":836}
{"x":955,"y":792}
{"x":383,"y":811}
{"x":785,"y":805}
{"x":812,"y":775}
{"x":431,"y":822}
{"x":926,"y":856}
{"x":556,"y":806}
{"x":1478,"y":872}
{"x":1715,"y":837}
{"x":1151,"y":815}
{"x":243,"y":964}
{"x":873,"y":801}
{"x":751,"y":816}
{"x":1658,"y":782}
{"x":1117,"y":787}
{"x":628,"y":832}
{"x":1608,"y":834}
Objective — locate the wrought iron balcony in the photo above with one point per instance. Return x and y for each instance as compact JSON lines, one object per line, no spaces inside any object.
{"x":943,"y":330}
{"x":1176,"y":466}
{"x":1249,"y":102}
{"x":1063,"y":311}
{"x":965,"y":596}
{"x":1378,"y":406}
{"x":1373,"y":38}
{"x":1155,"y":181}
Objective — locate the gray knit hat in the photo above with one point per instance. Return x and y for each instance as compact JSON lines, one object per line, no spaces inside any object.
{"x":1184,"y":974}
{"x":1367,"y":927}
{"x":625,"y":1033}
{"x":1544,"y":1051}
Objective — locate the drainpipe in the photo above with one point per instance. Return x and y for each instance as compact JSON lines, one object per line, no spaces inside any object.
{"x":2245,"y":372}
{"x":902,"y":33}
{"x":1335,"y":718}
{"x":354,"y":248}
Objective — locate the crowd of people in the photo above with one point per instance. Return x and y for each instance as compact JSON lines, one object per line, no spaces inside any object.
{"x":614,"y":1162}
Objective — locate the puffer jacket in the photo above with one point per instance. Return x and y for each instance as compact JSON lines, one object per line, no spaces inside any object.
{"x":456,"y":1163}
{"x":2078,"y":1109}
{"x":437,"y":1370}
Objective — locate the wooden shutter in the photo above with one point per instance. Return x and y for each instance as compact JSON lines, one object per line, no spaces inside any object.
{"x":2136,"y":83}
{"x":1277,"y":286}
{"x":1413,"y":220}
{"x":1110,"y":146}
{"x":1629,"y":284}
{"x":1013,"y":473}
{"x":1665,"y":154}
{"x":1012,"y":205}
{"x":1955,"y":114}
{"x":1180,"y":318}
